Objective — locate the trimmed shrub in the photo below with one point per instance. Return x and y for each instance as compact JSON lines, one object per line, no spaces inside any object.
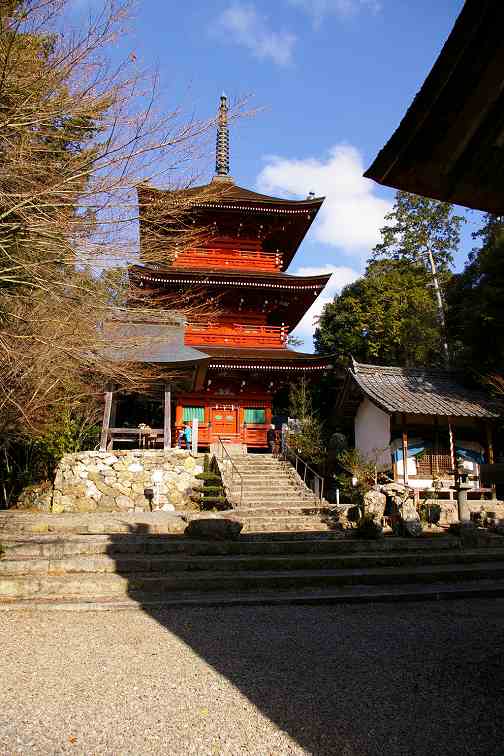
{"x":211,"y":494}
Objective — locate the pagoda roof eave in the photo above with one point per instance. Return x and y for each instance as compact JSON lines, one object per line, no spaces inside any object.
{"x":266,"y":359}
{"x":251,"y":279}
{"x":228,"y":195}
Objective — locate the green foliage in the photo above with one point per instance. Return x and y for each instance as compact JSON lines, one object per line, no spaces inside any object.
{"x":475,"y":303}
{"x":68,"y":432}
{"x":308,"y":443}
{"x":353,"y":466}
{"x":387,"y":317}
{"x":27,"y":461}
{"x":417,"y":225}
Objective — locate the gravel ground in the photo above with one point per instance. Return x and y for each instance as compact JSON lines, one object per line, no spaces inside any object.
{"x":418,"y":678}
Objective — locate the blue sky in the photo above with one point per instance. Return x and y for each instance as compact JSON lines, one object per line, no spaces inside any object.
{"x":333,"y":79}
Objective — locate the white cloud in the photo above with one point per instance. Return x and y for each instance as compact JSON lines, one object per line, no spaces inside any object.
{"x":341,"y":276}
{"x":319,"y":9}
{"x":244,"y":26}
{"x":351,"y":216}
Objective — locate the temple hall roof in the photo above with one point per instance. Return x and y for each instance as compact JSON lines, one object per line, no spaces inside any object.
{"x":450,"y":143}
{"x":154,"y":337}
{"x":418,"y":391}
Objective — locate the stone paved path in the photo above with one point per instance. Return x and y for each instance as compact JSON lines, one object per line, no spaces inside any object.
{"x":419,"y":679}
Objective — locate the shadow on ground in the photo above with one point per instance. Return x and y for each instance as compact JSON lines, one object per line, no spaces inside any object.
{"x":416,"y":678}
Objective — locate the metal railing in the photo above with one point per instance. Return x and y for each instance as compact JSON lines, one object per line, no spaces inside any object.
{"x":225,"y":458}
{"x":308,"y":475}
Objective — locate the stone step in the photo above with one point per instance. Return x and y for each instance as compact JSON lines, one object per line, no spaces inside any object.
{"x":263,"y":461}
{"x":90,"y":523}
{"x":162,"y":565}
{"x":306,"y":508}
{"x":266,"y":467}
{"x":263,"y":475}
{"x":254,"y":481}
{"x":55,"y":547}
{"x":266,"y":503}
{"x":269,"y":491}
{"x":355,"y":594}
{"x":281,"y":492}
{"x":110,"y":585}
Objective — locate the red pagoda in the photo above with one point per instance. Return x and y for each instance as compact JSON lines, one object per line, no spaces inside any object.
{"x":242,"y":268}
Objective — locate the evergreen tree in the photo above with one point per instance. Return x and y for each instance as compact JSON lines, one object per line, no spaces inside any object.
{"x":416,"y":226}
{"x":308,"y":441}
{"x":387,"y":317}
{"x":475,"y":303}
{"x":394,"y":314}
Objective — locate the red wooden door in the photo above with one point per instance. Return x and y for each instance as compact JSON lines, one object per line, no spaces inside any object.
{"x":224,"y":419}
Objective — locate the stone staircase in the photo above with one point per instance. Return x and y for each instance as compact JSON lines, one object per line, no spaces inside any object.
{"x":130,"y":566}
{"x":268,"y":494}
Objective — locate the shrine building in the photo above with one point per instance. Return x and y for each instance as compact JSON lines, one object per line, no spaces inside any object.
{"x":240,"y":268}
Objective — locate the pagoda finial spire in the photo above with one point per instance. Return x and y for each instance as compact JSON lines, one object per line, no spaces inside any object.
{"x":222,"y":147}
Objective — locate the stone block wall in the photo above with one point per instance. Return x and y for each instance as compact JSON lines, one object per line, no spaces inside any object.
{"x":115,"y":481}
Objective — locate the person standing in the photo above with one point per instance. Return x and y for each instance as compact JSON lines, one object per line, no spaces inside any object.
{"x":271,"y":438}
{"x":188,"y":435}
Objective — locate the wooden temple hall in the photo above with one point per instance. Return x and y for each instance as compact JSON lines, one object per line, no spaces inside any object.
{"x":236,"y":361}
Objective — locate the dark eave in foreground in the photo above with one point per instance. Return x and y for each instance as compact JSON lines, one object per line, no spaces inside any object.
{"x":450,"y":144}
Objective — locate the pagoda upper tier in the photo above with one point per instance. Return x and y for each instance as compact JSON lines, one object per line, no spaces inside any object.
{"x":249,"y":230}
{"x":230,"y":263}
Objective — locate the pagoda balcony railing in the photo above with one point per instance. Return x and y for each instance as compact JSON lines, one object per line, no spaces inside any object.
{"x":234,"y":259}
{"x":236,"y":334}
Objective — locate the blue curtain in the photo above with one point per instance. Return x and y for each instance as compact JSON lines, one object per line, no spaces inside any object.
{"x":471,"y":455}
{"x":415,"y":447}
{"x":418,"y":445}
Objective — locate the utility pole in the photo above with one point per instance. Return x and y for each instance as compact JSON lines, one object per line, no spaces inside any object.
{"x":440,"y":306}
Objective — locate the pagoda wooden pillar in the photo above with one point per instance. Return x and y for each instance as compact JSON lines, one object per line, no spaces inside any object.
{"x":167,"y":418}
{"x":107,"y":410}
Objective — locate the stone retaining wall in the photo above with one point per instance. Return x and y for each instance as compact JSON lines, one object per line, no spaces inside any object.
{"x":115,"y":482}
